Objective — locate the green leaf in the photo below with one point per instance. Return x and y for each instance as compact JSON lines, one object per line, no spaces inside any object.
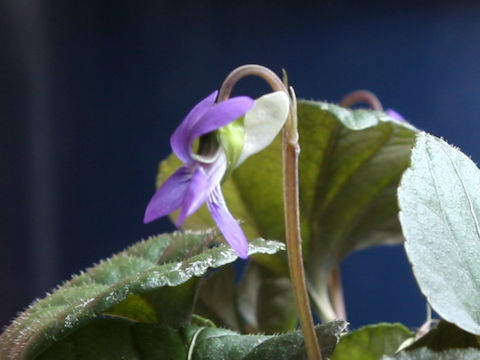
{"x":440,"y":204}
{"x":152,"y":281}
{"x":350,"y":165}
{"x":113,"y":339}
{"x":446,"y":336}
{"x":290,"y":346}
{"x":371,"y":342}
{"x":426,"y":354}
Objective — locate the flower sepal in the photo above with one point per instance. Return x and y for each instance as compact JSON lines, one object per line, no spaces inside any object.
{"x":263,"y":122}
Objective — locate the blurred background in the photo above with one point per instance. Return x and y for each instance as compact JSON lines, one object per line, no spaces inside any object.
{"x":91,"y":91}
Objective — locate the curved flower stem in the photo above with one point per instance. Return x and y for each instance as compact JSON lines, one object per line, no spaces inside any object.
{"x":291,"y":149}
{"x":250,"y":70}
{"x":358,"y":96}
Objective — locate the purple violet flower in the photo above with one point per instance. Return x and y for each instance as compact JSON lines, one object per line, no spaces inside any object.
{"x":198,"y":180}
{"x":394,"y":115}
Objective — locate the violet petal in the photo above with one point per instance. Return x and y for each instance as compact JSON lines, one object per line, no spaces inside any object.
{"x":179,"y":139}
{"x":205,"y":179}
{"x":195,"y":195}
{"x":394,"y":115}
{"x":229,"y":227}
{"x":219,"y":115}
{"x":169,"y":196}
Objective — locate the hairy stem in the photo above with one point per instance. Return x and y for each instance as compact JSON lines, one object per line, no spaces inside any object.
{"x":291,"y":150}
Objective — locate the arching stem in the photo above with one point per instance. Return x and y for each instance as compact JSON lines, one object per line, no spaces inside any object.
{"x":291,"y":149}
{"x":249,"y":70}
{"x":359,"y":96}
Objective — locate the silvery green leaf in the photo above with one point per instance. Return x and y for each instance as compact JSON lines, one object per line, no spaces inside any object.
{"x":439,"y":199}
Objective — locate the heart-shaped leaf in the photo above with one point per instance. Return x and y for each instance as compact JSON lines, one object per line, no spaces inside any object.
{"x":152,"y":281}
{"x":439,"y":199}
{"x":113,"y":339}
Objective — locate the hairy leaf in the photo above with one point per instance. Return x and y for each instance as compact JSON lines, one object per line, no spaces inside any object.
{"x":371,"y":342}
{"x":152,"y":281}
{"x":113,"y":339}
{"x":440,"y":205}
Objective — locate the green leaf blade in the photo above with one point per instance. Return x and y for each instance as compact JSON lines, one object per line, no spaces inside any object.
{"x":351,"y":202}
{"x":440,"y":205}
{"x":162,"y":282}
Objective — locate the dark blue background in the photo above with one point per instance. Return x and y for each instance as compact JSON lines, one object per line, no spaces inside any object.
{"x":91,"y":90}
